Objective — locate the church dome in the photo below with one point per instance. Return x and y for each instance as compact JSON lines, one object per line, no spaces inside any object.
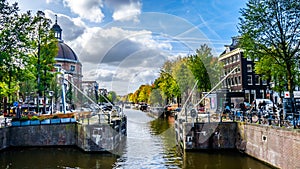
{"x":65,"y":53}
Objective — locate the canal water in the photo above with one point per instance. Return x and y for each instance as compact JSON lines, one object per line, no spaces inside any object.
{"x":150,"y":143}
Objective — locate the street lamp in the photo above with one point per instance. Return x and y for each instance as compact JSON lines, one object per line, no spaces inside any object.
{"x":51,"y":100}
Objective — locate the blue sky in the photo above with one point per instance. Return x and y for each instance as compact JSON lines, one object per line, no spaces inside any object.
{"x":123,"y":43}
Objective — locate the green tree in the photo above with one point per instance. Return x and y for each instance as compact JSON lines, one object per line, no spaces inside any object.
{"x":144,"y":93}
{"x":14,"y":32}
{"x":205,"y":68}
{"x":270,"y":32}
{"x":44,"y":50}
{"x":183,"y":77}
{"x":168,"y":85}
{"x":112,"y":96}
{"x":155,"y":98}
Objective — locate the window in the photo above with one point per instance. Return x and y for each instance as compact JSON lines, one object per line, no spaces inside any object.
{"x":264,"y":82}
{"x":57,"y":65}
{"x":236,"y":80}
{"x":72,"y":68}
{"x":249,"y":68}
{"x":239,"y":80}
{"x":238,"y":69}
{"x":229,"y":82}
{"x":257,"y":80}
{"x":249,"y":79}
{"x":232,"y":81}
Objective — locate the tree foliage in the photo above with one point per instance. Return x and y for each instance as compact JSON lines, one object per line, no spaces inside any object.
{"x":14,"y":30}
{"x":112,"y":96}
{"x":205,"y":68}
{"x":270,"y":32}
{"x":27,"y":45}
{"x":178,"y":77}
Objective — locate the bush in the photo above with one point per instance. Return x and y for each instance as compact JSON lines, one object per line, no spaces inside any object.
{"x":34,"y":118}
{"x":24,"y":118}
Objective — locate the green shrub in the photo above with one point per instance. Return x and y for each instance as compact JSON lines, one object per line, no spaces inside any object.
{"x":24,"y":118}
{"x":34,"y":118}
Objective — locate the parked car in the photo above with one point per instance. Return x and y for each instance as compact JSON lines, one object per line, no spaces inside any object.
{"x":268,"y":103}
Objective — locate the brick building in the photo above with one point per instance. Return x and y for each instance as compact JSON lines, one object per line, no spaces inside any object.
{"x":67,"y":59}
{"x":243,"y":82}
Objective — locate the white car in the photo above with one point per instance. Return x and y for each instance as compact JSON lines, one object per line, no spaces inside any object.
{"x":268,"y":102}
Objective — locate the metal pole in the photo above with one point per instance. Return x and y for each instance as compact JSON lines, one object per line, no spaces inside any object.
{"x":224,"y":78}
{"x":63,"y":94}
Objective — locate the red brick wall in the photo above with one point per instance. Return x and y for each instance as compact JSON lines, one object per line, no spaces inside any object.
{"x":277,"y":146}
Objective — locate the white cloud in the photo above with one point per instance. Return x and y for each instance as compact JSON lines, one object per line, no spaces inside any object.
{"x":113,"y":55}
{"x":127,"y":12}
{"x":53,"y":1}
{"x":72,"y":27}
{"x":113,"y":45}
{"x":122,"y":56}
{"x":87,"y":9}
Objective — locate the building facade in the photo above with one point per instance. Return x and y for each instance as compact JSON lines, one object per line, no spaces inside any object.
{"x":67,"y":59}
{"x":68,"y":63}
{"x":242,"y":81}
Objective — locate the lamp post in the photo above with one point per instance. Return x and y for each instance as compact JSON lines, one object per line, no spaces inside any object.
{"x":51,"y":101}
{"x":63,"y":92}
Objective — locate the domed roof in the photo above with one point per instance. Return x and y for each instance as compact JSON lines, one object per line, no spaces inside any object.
{"x":65,"y":53}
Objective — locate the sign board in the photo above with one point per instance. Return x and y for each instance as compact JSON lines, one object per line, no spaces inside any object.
{"x":193,"y":113}
{"x":15,"y":104}
{"x":296,"y":94}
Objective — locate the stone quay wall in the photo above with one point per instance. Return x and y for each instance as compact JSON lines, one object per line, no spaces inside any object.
{"x":43,"y":135}
{"x":279,"y":147}
{"x":89,"y":138}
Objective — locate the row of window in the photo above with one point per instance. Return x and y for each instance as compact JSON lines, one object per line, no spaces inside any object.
{"x":232,"y":59}
{"x":226,"y":71}
{"x":256,"y":80}
{"x":234,"y":81}
{"x":238,"y":70}
{"x":72,"y":67}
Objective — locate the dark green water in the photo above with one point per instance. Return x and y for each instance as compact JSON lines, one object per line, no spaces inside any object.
{"x":149,"y":144}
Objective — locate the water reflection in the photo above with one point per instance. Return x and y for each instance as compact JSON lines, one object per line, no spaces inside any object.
{"x":37,"y":158}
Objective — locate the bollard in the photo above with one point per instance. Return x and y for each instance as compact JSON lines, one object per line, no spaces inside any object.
{"x":99,"y":115}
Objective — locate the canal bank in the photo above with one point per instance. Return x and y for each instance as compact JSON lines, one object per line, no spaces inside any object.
{"x":88,"y":137}
{"x":276,"y":146}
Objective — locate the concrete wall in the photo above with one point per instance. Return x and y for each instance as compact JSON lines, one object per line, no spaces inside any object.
{"x":277,"y":146}
{"x":95,"y":138}
{"x":43,"y":135}
{"x":101,"y":137}
{"x":4,"y":138}
{"x":208,"y":135}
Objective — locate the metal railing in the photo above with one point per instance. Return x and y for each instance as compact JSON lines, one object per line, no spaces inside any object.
{"x":259,"y":117}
